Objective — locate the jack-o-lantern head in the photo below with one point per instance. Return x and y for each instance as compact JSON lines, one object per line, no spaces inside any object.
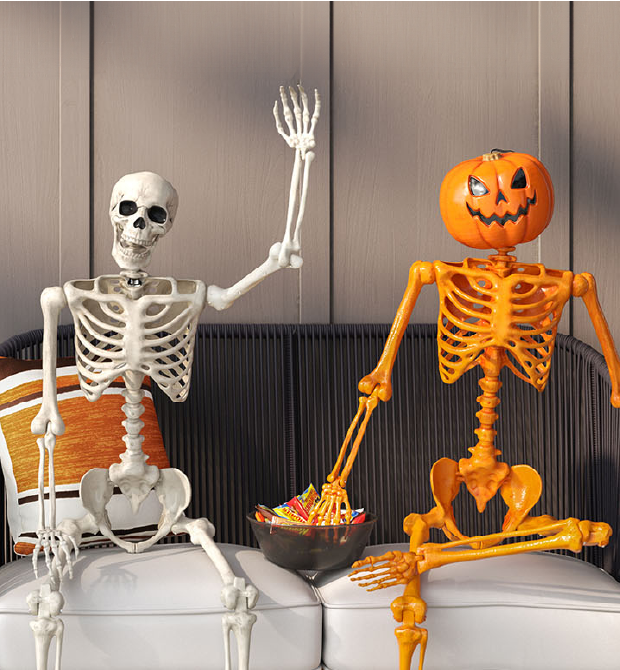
{"x":497,"y":200}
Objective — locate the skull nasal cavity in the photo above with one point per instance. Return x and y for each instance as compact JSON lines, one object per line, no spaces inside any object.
{"x":500,"y":197}
{"x":139,"y":223}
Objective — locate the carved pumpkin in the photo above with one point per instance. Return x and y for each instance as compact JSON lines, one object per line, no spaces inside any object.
{"x":497,"y":200}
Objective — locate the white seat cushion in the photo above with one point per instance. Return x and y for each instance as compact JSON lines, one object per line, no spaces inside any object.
{"x":162,"y":609}
{"x":537,"y":611}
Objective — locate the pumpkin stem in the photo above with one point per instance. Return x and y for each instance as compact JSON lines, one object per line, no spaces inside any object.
{"x":496,"y":154}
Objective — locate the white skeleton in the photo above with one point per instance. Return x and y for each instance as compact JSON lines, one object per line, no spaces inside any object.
{"x":133,"y":325}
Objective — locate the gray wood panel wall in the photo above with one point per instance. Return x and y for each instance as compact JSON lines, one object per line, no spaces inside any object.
{"x":93,"y":91}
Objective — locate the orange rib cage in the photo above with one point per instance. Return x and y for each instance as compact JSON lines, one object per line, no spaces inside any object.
{"x":516,"y":306}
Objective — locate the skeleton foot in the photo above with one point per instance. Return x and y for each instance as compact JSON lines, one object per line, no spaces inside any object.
{"x":381,"y":572}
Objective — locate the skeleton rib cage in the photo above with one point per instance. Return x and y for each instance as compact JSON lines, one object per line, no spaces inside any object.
{"x":470,"y":321}
{"x":153,"y":335}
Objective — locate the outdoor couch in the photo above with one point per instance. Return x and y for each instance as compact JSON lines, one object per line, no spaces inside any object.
{"x":267,"y":412}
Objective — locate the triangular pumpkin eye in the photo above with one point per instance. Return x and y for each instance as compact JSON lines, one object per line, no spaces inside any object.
{"x":477,"y":187}
{"x":519,"y":180}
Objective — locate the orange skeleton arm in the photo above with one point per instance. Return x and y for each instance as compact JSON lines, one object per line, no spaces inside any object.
{"x":584,"y":287}
{"x":420,"y":274}
{"x":378,"y":386}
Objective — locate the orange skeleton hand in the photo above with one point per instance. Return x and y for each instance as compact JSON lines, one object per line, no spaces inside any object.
{"x":333,"y":493}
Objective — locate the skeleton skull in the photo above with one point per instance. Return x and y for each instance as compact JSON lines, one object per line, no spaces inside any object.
{"x":142,"y":209}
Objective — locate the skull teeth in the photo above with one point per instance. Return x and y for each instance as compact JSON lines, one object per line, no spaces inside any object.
{"x":133,"y":248}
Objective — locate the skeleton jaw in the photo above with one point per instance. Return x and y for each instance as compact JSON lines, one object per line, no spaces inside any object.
{"x":132,"y":252}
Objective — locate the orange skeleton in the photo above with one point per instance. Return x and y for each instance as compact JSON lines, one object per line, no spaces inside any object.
{"x":494,"y":313}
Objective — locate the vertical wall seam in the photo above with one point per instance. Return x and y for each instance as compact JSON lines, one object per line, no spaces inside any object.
{"x":571,"y":153}
{"x":91,"y":141}
{"x":539,"y":116}
{"x":331,"y":162}
{"x":59,"y":173}
{"x":299,"y":190}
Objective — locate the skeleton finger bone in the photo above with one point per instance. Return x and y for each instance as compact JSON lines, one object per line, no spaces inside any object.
{"x":279,"y":126}
{"x":306,"y":113}
{"x":288,"y":116}
{"x":297,"y":110}
{"x":317,"y":112}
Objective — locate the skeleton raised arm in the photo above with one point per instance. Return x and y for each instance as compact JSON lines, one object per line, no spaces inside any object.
{"x":287,"y":253}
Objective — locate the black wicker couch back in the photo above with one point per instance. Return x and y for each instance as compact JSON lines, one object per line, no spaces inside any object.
{"x":269,"y":406}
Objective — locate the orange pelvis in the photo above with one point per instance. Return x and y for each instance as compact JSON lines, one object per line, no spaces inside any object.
{"x":483,"y":478}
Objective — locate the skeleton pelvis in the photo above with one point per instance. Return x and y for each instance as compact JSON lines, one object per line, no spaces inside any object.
{"x":171,"y":486}
{"x":483,"y":478}
{"x":135,"y":480}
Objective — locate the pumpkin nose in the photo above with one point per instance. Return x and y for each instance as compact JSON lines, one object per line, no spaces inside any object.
{"x":500,"y":197}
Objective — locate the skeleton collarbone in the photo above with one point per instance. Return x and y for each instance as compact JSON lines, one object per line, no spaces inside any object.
{"x":129,"y":333}
{"x":516,"y":308}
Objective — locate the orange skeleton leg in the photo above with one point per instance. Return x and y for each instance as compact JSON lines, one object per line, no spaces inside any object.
{"x":397,"y":567}
{"x":411,"y":610}
{"x":571,"y":534}
{"x":584,"y":287}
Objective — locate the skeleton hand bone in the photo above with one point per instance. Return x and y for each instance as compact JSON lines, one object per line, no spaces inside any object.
{"x":56,"y":549}
{"x":301,"y":138}
{"x":301,"y":127}
{"x":328,"y":511}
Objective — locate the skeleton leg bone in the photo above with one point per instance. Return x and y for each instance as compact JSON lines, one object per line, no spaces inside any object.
{"x":46,"y":604}
{"x":571,"y":534}
{"x":236,"y":595}
{"x":410,"y":609}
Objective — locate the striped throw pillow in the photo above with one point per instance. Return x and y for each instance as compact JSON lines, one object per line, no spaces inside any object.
{"x":92,"y":439}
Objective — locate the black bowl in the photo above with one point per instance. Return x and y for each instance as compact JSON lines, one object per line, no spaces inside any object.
{"x":305,"y":547}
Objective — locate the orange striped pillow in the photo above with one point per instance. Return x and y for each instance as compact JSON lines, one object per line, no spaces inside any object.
{"x":92,"y":439}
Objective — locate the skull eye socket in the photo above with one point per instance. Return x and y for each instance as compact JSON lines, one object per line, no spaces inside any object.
{"x":476,"y":187}
{"x":157,"y":214}
{"x":519,"y":180}
{"x":127,"y":207}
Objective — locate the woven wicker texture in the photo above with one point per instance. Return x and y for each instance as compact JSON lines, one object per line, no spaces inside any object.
{"x":270,"y":404}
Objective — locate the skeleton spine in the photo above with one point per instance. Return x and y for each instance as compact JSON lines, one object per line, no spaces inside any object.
{"x":133,"y":410}
{"x":491,"y":363}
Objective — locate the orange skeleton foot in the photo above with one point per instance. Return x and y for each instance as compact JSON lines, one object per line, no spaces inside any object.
{"x":391,"y":569}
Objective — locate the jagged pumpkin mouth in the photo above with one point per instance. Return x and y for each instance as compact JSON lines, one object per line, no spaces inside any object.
{"x":502,"y":220}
